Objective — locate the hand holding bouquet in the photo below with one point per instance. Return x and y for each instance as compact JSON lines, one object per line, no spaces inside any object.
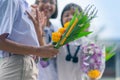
{"x":74,"y":29}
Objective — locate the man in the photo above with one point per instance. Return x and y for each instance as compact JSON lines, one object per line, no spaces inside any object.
{"x":18,"y":42}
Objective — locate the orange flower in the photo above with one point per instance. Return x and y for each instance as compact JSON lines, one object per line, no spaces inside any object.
{"x":94,"y":74}
{"x":56,"y":36}
{"x":67,"y":34}
{"x":66,"y":24}
{"x":62,"y":30}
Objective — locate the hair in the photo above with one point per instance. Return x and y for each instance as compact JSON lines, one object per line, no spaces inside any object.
{"x":68,"y":7}
{"x":56,"y":11}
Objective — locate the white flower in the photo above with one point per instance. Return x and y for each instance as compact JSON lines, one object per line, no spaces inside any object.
{"x":86,"y":58}
{"x":89,"y":47}
{"x":85,"y":63}
{"x":97,"y":50}
{"x":92,"y":61}
{"x":91,"y":51}
{"x":85,"y":50}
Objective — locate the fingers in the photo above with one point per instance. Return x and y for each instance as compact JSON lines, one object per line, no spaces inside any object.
{"x":30,"y":16}
{"x":44,"y":20}
{"x":40,"y":17}
{"x":52,"y":49}
{"x":3,"y":36}
{"x":37,"y":15}
{"x":48,"y":51}
{"x":34,"y":6}
{"x":52,"y":53}
{"x":55,"y":51}
{"x":50,"y":46}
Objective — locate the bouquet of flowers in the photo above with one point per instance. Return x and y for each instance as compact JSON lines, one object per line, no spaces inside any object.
{"x":92,"y":60}
{"x":76,"y":28}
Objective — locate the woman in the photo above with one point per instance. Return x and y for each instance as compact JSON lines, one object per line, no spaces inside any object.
{"x":68,"y":59}
{"x":48,"y":9}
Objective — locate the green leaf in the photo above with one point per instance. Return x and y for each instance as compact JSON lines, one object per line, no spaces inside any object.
{"x":108,"y":49}
{"x":84,"y":19}
{"x":80,"y":28}
{"x":110,"y":52}
{"x":85,"y":26}
{"x":109,"y":56}
{"x":45,"y":59}
{"x":64,"y":35}
{"x":82,"y":24}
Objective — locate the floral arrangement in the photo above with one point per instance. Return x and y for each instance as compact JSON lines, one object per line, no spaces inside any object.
{"x":76,"y":28}
{"x":92,"y":60}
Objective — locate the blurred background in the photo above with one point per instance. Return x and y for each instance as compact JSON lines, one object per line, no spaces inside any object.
{"x":106,"y":29}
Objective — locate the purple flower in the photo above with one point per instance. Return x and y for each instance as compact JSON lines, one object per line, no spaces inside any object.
{"x":44,"y":63}
{"x":91,"y":57}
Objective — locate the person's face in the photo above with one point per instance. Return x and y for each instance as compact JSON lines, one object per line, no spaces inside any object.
{"x":67,"y":15}
{"x":47,"y":6}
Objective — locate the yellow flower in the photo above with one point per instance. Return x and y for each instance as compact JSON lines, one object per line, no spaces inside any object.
{"x":56,"y":36}
{"x":66,"y":24}
{"x":62,"y":30}
{"x":68,"y":33}
{"x":94,"y":74}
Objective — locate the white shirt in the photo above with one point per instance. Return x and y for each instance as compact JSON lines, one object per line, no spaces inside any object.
{"x":48,"y":33}
{"x":49,"y":72}
{"x":14,"y":20}
{"x":67,"y":70}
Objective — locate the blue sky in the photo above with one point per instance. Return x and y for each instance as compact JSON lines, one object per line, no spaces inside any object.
{"x":108,"y":16}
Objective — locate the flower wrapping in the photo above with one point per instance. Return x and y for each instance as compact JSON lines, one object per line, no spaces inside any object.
{"x":92,"y":60}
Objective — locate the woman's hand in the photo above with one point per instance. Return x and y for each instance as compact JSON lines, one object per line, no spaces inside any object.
{"x":38,"y":18}
{"x":39,"y":21}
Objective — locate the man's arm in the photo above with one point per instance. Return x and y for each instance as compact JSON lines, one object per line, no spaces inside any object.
{"x":17,"y":48}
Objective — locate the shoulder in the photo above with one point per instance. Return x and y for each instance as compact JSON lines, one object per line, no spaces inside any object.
{"x":8,"y":4}
{"x":8,"y":7}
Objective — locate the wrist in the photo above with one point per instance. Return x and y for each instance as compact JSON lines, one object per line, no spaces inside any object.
{"x":38,"y":51}
{"x":43,"y":34}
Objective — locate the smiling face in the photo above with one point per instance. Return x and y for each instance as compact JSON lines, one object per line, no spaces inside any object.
{"x":67,"y":15}
{"x":68,"y":12}
{"x":47,"y":6}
